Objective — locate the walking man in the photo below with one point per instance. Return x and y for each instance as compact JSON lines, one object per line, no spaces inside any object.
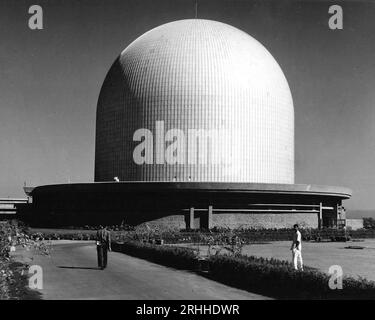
{"x":297,"y":248}
{"x":103,"y":244}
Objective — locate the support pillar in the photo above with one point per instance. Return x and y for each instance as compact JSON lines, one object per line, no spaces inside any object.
{"x":191,"y":219}
{"x":209,"y":222}
{"x":320,"y":216}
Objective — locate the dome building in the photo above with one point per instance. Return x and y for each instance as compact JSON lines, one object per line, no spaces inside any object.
{"x":195,"y":129}
{"x":197,"y":75}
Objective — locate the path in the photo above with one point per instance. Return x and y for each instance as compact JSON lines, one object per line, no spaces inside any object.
{"x":71,"y":273}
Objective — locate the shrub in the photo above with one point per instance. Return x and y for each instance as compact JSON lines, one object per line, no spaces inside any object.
{"x":278,"y":278}
{"x":181,"y":258}
{"x":270,"y":277}
{"x":13,"y":280}
{"x":369,"y":223}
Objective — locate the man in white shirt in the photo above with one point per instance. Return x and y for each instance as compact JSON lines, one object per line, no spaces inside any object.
{"x":297,"y":248}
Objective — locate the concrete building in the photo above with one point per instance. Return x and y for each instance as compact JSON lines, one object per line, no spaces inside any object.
{"x":195,"y":129}
{"x":354,"y":224}
{"x":9,"y":207}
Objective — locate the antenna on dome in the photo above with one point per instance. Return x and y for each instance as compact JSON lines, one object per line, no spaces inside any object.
{"x":196,"y":9}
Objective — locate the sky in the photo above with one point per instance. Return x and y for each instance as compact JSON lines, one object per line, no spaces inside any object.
{"x":50,"y":80}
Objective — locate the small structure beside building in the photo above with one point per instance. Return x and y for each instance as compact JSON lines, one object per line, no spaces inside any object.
{"x":354,"y":224}
{"x":9,"y":207}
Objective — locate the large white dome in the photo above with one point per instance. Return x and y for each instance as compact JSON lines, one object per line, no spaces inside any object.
{"x":196,"y":74}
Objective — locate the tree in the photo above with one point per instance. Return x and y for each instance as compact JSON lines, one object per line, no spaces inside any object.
{"x":369,"y":223}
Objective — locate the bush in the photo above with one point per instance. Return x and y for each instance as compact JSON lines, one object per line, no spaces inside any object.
{"x":13,"y":279}
{"x":248,"y":236}
{"x":369,"y":223}
{"x":269,"y":277}
{"x":180,"y":258}
{"x":278,"y":278}
{"x":216,"y":235}
{"x":63,"y":236}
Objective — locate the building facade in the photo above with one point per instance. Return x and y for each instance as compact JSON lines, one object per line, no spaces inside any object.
{"x":195,"y":130}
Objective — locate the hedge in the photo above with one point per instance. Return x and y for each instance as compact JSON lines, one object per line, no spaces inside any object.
{"x":180,"y":258}
{"x":270,"y":277}
{"x":217,"y":236}
{"x":279,"y":279}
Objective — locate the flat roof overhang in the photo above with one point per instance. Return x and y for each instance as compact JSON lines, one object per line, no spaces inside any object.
{"x":201,"y":187}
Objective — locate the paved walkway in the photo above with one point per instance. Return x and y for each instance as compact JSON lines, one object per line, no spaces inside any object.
{"x":71,"y":273}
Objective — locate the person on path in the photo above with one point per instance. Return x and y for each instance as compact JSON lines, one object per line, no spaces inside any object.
{"x":297,"y":249}
{"x":103,"y":244}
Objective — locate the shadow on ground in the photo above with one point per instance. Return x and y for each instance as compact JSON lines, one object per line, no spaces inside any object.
{"x":84,"y":268}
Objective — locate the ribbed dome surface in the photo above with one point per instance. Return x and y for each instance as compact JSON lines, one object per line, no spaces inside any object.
{"x":197,"y":74}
